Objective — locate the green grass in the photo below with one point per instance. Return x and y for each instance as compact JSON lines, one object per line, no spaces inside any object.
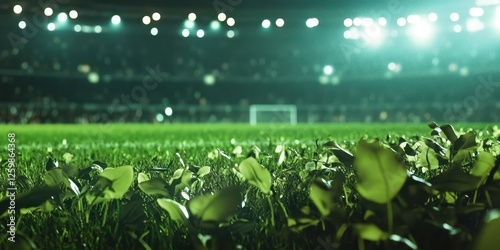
{"x":75,"y":224}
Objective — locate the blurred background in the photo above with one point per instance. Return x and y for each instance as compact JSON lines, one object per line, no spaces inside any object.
{"x":75,"y":61}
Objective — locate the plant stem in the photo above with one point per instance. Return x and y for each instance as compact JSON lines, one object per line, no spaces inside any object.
{"x":272,"y":210}
{"x":389,"y":216}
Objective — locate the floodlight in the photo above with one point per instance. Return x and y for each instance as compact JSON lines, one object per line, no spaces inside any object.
{"x":51,"y":26}
{"x":266,"y":24}
{"x":476,"y":11}
{"x":230,"y":34}
{"x":18,"y":9}
{"x":154,"y":31}
{"x":231,"y":21}
{"x":221,"y":17}
{"x":215,"y":25}
{"x":432,"y":17}
{"x":98,"y":29}
{"x":73,"y":14}
{"x":280,"y":22}
{"x":328,"y":70}
{"x":382,"y":21}
{"x":348,"y":22}
{"x":474,"y":24}
{"x":116,"y":19}
{"x":22,"y":24}
{"x":62,"y":17}
{"x":185,"y":32}
{"x":146,"y":20}
{"x":48,"y":11}
{"x":401,"y":21}
{"x":454,"y":16}
{"x":169,"y":111}
{"x":156,"y":16}
{"x":200,"y":33}
{"x":192,"y":17}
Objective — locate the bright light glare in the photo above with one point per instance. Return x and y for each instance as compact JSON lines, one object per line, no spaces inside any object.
{"x":366,"y":22}
{"x":73,"y":14}
{"x":221,"y":17}
{"x":328,"y":70}
{"x":357,"y":21}
{"x":192,"y":17}
{"x":421,"y":32}
{"x":185,"y":32}
{"x":457,"y":28}
{"x":116,"y":19}
{"x":51,"y":26}
{"x":169,"y":111}
{"x":209,"y":79}
{"x":18,"y":9}
{"x":454,"y":17}
{"x":401,"y":21}
{"x":78,"y":28}
{"x":215,"y":25}
{"x":474,"y":24}
{"x":433,"y":17}
{"x":22,"y":24}
{"x":160,"y":118}
{"x":200,"y":33}
{"x":348,"y":22}
{"x":154,"y":31}
{"x":98,"y":29}
{"x":189,"y":24}
{"x":382,"y":21}
{"x":373,"y":35}
{"x":266,"y":24}
{"x":391,"y":66}
{"x":312,"y":22}
{"x":476,"y":11}
{"x":62,"y":17}
{"x":230,"y":34}
{"x":231,"y":21}
{"x":280,"y":22}
{"x":48,"y":11}
{"x":413,"y":19}
{"x":146,"y":20}
{"x":156,"y":16}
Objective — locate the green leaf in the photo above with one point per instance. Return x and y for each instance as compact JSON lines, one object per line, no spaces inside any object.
{"x":113,"y":183}
{"x":203,"y":171}
{"x":57,"y":176}
{"x":463,"y":147}
{"x":324,"y":194}
{"x":488,"y":238}
{"x":381,"y":175}
{"x":370,"y":232}
{"x":483,"y":166}
{"x":216,"y":207}
{"x":343,"y":155}
{"x":155,"y":186}
{"x":255,"y":174}
{"x":449,"y":132}
{"x":176,"y":211}
{"x":455,"y":180}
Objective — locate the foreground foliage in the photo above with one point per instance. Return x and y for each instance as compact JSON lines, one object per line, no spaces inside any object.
{"x":439,"y":191}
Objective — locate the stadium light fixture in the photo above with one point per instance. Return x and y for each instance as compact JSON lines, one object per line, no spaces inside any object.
{"x":401,"y":21}
{"x":221,"y":17}
{"x":209,"y":79}
{"x":312,"y":22}
{"x":73,"y":14}
{"x":169,"y":111}
{"x":160,"y":118}
{"x":192,"y":17}
{"x":413,"y":19}
{"x":382,"y":21}
{"x":457,"y":28}
{"x":348,"y":22}
{"x":48,"y":11}
{"x":146,"y":20}
{"x":347,"y":34}
{"x":266,"y":23}
{"x":357,"y":21}
{"x":185,"y":32}
{"x":328,"y":70}
{"x":454,"y":16}
{"x":230,"y":34}
{"x":62,"y":17}
{"x":280,"y":22}
{"x":200,"y":33}
{"x":476,"y":11}
{"x":116,"y":19}
{"x":51,"y":26}
{"x":432,"y":17}
{"x":154,"y":31}
{"x":230,"y":22}
{"x":22,"y":25}
{"x":77,"y":28}
{"x":17,"y":9}
{"x":156,"y":16}
{"x":98,"y":29}
{"x":474,"y":24}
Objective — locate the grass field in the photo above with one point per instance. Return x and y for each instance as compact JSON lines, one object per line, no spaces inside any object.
{"x":235,"y":186}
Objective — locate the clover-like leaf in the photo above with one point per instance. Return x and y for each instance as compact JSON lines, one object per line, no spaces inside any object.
{"x":113,"y":183}
{"x":483,"y":166}
{"x":176,"y":210}
{"x":255,"y":174}
{"x":381,"y":175}
{"x":216,"y":207}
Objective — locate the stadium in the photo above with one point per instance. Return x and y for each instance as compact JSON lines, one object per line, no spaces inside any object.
{"x":236,"y":124}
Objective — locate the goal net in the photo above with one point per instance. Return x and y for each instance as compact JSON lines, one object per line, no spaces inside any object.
{"x":273,"y":114}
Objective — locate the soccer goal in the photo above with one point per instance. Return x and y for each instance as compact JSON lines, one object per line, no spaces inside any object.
{"x":273,"y":114}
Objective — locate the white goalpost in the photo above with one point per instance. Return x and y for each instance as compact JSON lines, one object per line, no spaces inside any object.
{"x":273,"y":114}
